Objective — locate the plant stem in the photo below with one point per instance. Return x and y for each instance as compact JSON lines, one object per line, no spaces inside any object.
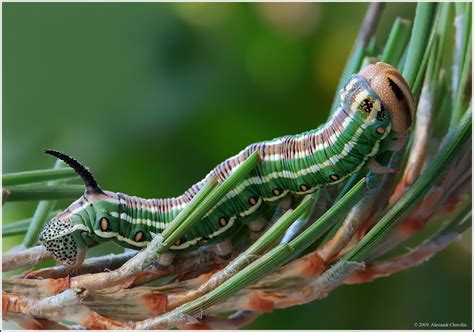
{"x":20,"y":226}
{"x":411,"y":198}
{"x":34,"y":193}
{"x":13,"y":179}
{"x":367,"y":30}
{"x":424,"y":17}
{"x":265,"y":264}
{"x":397,"y":41}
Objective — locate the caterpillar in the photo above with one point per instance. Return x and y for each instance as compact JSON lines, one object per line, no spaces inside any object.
{"x":376,"y":110}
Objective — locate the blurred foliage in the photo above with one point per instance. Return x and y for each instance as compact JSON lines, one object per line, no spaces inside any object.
{"x":152,"y":96}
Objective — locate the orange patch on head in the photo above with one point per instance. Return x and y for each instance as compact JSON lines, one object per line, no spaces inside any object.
{"x":394,"y":93}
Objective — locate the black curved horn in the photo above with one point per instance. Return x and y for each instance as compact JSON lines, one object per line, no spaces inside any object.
{"x":81,"y":170}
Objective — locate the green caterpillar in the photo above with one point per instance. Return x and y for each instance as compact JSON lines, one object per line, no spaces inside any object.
{"x":376,"y":110}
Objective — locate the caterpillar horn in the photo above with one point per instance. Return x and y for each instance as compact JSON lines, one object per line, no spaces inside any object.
{"x":92,"y":187}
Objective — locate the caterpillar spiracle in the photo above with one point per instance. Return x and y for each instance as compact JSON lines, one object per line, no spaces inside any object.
{"x":376,"y":109}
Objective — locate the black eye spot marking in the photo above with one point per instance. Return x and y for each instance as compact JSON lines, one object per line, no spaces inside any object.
{"x":104,"y":224}
{"x":367,"y":105}
{"x":334,"y":177}
{"x":138,"y":236}
{"x":304,"y":187}
{"x":396,"y":89}
{"x":276,"y":192}
{"x":253,"y":201}
{"x":223,"y":221}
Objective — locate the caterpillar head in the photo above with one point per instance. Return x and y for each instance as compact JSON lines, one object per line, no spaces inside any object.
{"x":61,"y":238}
{"x":62,"y":235}
{"x":394,"y":94}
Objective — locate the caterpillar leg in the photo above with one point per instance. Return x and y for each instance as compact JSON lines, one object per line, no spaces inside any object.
{"x":257,"y":225}
{"x":286,"y":203}
{"x":223,"y":249}
{"x":166,"y":259}
{"x":375,"y":167}
{"x":398,"y":143}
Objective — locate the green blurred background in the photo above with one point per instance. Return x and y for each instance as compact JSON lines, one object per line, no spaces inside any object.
{"x":152,"y":96}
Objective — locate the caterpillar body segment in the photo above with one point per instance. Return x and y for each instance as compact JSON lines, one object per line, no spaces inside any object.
{"x":376,"y":106}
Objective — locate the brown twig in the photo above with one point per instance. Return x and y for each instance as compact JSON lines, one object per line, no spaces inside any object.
{"x":16,"y":259}
{"x":91,"y":265}
{"x":124,"y":275}
{"x":298,"y":282}
{"x":64,"y":306}
{"x":29,"y":322}
{"x":413,"y":258}
{"x":200,"y":262}
{"x":440,"y":196}
{"x":371,"y":19}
